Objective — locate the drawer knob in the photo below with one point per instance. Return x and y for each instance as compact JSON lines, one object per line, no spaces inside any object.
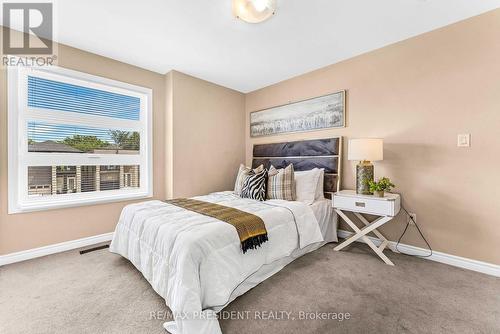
{"x":360,"y":204}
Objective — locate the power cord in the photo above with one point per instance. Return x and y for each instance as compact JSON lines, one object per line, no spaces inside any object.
{"x":418,"y":229}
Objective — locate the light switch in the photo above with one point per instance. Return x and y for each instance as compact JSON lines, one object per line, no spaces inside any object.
{"x":463,"y":140}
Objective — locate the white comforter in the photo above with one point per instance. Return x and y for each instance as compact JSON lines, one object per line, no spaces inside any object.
{"x":195,"y":262}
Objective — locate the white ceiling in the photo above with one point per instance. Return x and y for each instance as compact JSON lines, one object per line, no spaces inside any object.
{"x":201,"y":38}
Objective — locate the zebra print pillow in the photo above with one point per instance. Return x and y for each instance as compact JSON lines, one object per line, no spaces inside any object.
{"x":254,"y":186}
{"x":243,"y":172}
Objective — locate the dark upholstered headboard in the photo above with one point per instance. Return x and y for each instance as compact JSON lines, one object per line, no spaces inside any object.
{"x":304,"y":155}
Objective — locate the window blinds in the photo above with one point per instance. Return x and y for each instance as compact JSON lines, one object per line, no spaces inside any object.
{"x":82,"y":138}
{"x":56,"y":95}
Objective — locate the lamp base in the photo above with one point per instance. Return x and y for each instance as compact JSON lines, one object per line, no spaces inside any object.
{"x":364,"y":173}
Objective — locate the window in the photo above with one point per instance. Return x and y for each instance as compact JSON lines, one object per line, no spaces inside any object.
{"x":76,"y":139}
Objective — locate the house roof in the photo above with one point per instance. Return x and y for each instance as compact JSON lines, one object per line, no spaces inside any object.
{"x":52,"y":146}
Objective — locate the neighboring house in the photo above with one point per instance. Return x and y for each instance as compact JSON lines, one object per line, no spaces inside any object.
{"x":51,"y":180}
{"x":47,"y":180}
{"x":40,"y":180}
{"x":51,"y":147}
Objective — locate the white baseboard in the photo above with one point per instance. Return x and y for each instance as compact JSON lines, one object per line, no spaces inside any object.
{"x":55,"y":248}
{"x":452,"y":260}
{"x":456,"y":261}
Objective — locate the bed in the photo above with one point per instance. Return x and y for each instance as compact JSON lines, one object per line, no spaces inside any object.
{"x":195,"y":262}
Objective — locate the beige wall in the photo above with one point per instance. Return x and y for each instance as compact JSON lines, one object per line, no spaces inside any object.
{"x":30,"y":230}
{"x":169,"y":129}
{"x":208,"y":135}
{"x":418,"y":95}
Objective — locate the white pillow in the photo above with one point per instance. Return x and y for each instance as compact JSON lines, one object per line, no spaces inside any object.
{"x":306,"y":185}
{"x":320,"y":189}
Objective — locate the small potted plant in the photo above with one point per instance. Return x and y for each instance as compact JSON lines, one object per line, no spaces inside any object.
{"x":378,"y":188}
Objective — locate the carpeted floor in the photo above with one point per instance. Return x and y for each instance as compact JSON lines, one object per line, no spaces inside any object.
{"x":100,"y":292}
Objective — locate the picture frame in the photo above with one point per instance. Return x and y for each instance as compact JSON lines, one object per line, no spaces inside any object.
{"x":317,"y":113}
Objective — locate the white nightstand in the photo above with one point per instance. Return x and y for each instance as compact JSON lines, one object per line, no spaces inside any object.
{"x":386,"y":207}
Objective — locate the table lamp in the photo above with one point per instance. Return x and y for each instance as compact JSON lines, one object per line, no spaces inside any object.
{"x":365,"y":150}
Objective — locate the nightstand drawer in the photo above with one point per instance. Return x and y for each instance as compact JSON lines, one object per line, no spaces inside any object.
{"x":370,"y":205}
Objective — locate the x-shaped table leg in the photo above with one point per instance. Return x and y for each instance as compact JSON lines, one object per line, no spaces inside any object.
{"x":361,"y":234}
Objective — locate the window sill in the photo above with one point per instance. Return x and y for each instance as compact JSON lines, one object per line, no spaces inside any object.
{"x":54,"y":204}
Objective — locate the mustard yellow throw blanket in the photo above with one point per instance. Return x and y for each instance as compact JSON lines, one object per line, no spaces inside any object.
{"x":250,"y":228}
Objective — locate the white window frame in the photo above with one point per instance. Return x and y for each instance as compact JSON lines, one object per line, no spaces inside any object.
{"x":19,"y":158}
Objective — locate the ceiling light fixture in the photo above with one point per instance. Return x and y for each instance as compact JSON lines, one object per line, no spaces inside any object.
{"x":254,"y":11}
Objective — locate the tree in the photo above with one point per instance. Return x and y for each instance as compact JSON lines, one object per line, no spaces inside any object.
{"x":119,"y":137}
{"x":126,"y":140}
{"x":133,"y":142}
{"x":84,"y":143}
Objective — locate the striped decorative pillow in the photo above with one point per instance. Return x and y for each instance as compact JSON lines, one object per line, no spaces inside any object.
{"x":281,"y":183}
{"x":254,"y":186}
{"x":243,"y":172}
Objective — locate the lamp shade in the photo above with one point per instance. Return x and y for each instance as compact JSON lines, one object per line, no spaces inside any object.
{"x":370,"y":149}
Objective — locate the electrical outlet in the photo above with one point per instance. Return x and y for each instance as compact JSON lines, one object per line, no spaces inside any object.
{"x":414,"y":216}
